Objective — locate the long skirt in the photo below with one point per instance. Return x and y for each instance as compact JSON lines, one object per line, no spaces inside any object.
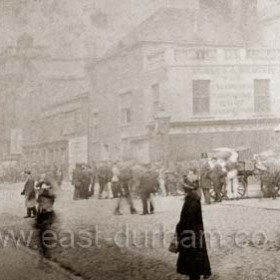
{"x":30,"y":202}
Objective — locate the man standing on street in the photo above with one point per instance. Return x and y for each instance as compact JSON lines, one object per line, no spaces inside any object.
{"x":86,"y":181}
{"x":205,"y":182}
{"x":77,"y":181}
{"x":115,"y":183}
{"x":148,"y":185}
{"x":124,"y":189}
{"x":30,"y":196}
{"x":104,"y":174}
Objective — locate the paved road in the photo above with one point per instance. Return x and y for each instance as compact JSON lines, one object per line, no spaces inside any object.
{"x":16,"y":264}
{"x":230,"y":261}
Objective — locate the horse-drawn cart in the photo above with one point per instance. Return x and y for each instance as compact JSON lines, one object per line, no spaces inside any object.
{"x":233,"y":162}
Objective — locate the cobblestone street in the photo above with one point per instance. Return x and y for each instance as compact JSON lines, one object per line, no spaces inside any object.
{"x":24,"y":267}
{"x":243,"y":237}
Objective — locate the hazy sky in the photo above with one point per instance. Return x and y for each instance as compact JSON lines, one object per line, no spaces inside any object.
{"x":71,"y":27}
{"x":76,"y":27}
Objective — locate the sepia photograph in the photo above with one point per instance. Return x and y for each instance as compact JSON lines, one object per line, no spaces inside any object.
{"x":139,"y":139}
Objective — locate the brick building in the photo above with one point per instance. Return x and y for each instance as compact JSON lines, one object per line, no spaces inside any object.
{"x":183,"y":82}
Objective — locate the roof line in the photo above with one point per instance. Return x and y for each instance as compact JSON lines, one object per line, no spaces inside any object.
{"x":83,"y":95}
{"x":143,"y":42}
{"x":65,"y":78}
{"x":209,"y":122}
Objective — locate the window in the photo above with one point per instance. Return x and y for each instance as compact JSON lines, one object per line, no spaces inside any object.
{"x":205,"y":54}
{"x":262,"y":96}
{"x":156,"y":98}
{"x":201,"y":97}
{"x":125,"y":108}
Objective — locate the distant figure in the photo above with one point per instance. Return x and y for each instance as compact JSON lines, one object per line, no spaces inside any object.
{"x":147,"y":187}
{"x":30,"y":195}
{"x":193,"y":258}
{"x":104,"y":177}
{"x":86,"y":181}
{"x":161,"y":179}
{"x":205,"y":182}
{"x":59,"y":178}
{"x":93,"y":173}
{"x":115,"y":183}
{"x":44,"y":221}
{"x":123,"y":190}
{"x":77,"y":181}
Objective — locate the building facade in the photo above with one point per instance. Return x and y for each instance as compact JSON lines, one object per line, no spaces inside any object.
{"x":19,"y":82}
{"x":269,"y":19}
{"x":168,"y":93}
{"x":58,"y":137}
{"x":44,"y":108}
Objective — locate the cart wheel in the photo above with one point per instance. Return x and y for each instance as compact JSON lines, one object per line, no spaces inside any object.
{"x":213,"y":194}
{"x":242,"y":187}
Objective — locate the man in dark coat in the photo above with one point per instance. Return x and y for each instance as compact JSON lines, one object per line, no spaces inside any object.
{"x":77,"y":181}
{"x":205,"y":182}
{"x":44,"y":221}
{"x":104,"y":177}
{"x":193,"y":258}
{"x":123,"y":190}
{"x":147,"y":186}
{"x":86,"y":181}
{"x":30,"y":196}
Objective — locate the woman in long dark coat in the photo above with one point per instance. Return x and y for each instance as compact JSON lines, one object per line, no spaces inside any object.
{"x":193,"y":258}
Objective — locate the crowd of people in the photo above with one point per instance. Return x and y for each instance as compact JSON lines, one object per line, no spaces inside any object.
{"x":125,"y":182}
{"x":109,"y":176}
{"x":119,"y":180}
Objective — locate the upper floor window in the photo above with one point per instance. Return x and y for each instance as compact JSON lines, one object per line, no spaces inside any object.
{"x":201,"y":97}
{"x":205,"y":54}
{"x":125,"y":108}
{"x":156,"y":98}
{"x":262,"y":95}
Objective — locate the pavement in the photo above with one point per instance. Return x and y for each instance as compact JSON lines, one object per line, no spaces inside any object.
{"x":259,"y":203}
{"x":243,"y":237}
{"x":16,"y":264}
